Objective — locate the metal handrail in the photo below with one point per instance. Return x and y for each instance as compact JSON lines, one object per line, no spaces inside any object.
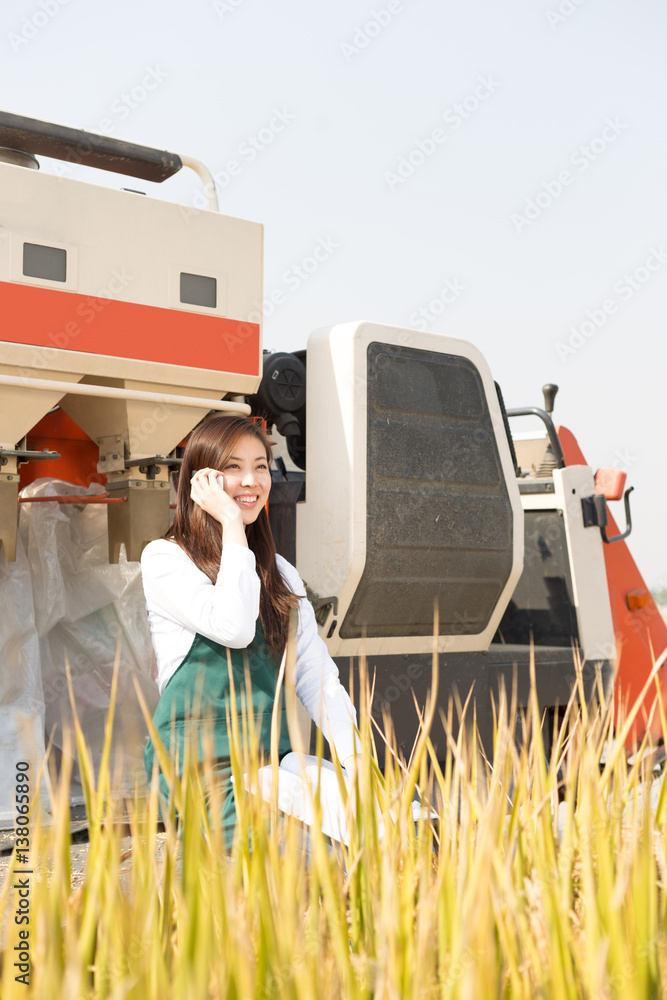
{"x":76,"y":145}
{"x":554,"y":440}
{"x":91,"y":498}
{"x":112,"y":392}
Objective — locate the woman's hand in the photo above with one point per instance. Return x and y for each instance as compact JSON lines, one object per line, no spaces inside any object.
{"x":207,"y":493}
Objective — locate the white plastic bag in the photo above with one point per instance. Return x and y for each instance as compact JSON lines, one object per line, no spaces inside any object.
{"x":88,"y":611}
{"x":21,"y":698}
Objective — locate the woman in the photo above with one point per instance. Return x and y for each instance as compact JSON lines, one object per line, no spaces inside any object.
{"x":215,"y":583}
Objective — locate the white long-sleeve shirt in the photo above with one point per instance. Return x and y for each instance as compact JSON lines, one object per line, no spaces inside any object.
{"x":182,"y":601}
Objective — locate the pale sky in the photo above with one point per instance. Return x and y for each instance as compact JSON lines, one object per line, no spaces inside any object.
{"x":493,"y":170}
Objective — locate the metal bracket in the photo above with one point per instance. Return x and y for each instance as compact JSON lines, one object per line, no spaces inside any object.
{"x":112,"y":454}
{"x":137,"y":484}
{"x":536,"y":486}
{"x":321,"y":605}
{"x":594,"y":511}
{"x":149,"y":466}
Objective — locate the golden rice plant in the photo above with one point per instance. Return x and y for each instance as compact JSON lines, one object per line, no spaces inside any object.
{"x":538,"y":877}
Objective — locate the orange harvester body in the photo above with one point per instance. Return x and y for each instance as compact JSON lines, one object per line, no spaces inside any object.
{"x":639,"y":628}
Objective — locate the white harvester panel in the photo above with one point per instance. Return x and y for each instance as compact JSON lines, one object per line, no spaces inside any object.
{"x":568,"y":597}
{"x":411,"y":494}
{"x":100,"y":282}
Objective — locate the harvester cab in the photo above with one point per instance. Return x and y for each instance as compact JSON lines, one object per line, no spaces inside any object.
{"x":417,"y":496}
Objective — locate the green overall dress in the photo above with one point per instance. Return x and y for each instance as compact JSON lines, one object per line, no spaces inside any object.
{"x":202,"y":680}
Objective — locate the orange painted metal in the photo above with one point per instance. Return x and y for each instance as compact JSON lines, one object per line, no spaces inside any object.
{"x":78,"y":464}
{"x":50,"y":318}
{"x":640,"y":631}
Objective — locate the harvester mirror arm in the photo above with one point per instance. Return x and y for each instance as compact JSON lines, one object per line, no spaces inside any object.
{"x":30,"y":135}
{"x":554,"y":440}
{"x":628,"y":521}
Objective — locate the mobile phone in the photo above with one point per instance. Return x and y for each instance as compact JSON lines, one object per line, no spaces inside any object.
{"x":220,"y":480}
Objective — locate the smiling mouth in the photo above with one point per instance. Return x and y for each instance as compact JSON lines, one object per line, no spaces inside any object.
{"x":247,"y":501}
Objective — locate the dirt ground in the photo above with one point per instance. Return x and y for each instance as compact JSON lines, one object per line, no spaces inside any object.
{"x":79,"y":859}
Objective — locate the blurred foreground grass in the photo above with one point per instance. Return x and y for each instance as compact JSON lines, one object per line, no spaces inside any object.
{"x":538,"y":879}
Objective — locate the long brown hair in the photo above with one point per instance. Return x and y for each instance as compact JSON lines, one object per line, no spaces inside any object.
{"x":209,"y":446}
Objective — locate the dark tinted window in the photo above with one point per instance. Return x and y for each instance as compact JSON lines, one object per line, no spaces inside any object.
{"x":198,"y":290}
{"x":542,"y":606}
{"x":44,"y":262}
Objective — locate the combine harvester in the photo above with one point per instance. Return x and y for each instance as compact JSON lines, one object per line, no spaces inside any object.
{"x":127,"y":320}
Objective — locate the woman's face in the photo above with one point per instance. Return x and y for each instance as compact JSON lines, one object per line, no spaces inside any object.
{"x":247,"y":477}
